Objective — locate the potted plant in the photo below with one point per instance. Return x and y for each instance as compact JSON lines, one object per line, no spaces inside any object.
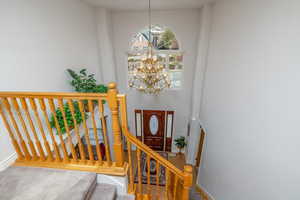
{"x":69,"y":118}
{"x":82,"y":82}
{"x":180,"y":143}
{"x":86,"y":83}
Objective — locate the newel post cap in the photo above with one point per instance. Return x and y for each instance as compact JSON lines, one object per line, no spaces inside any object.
{"x":188,"y":169}
{"x":112,"y":85}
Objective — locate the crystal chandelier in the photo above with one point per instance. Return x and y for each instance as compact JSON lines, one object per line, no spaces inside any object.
{"x":150,"y":76}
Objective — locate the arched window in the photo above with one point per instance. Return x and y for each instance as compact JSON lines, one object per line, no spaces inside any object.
{"x":166,"y":48}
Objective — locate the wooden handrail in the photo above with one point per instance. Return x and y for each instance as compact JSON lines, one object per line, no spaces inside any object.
{"x":52,"y":94}
{"x":142,"y":146}
{"x":59,"y":151}
{"x":178,"y":182}
{"x":29,"y":117}
{"x":154,"y":155}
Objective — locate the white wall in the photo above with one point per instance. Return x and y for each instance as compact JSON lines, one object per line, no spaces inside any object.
{"x":39,"y":40}
{"x":193,"y":139}
{"x":185,"y":24}
{"x":106,"y":51}
{"x":251,"y":102}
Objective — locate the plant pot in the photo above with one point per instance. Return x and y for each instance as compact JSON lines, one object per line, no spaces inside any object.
{"x":180,"y":153}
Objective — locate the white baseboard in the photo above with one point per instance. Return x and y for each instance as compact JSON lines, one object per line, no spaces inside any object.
{"x":8,"y":161}
{"x":204,"y":192}
{"x":207,"y":193}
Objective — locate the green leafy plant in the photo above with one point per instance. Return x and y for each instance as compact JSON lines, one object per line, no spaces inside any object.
{"x":86,"y":83}
{"x":69,"y":118}
{"x":180,"y":143}
{"x":82,"y":82}
{"x":166,"y":40}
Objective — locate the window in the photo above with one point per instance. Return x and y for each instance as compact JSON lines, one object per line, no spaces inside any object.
{"x":166,"y":49}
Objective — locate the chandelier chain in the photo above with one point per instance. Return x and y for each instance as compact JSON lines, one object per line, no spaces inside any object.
{"x":149,"y":19}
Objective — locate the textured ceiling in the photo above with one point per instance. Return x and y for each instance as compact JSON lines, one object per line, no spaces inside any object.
{"x":143,"y":4}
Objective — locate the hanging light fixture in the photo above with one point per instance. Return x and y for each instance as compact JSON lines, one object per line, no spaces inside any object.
{"x":150,"y":76}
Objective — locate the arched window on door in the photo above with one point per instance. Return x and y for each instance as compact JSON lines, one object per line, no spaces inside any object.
{"x":166,"y":48}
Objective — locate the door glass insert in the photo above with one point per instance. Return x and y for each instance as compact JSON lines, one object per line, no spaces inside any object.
{"x":153,"y":124}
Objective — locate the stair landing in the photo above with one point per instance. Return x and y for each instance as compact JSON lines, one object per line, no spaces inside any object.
{"x":24,"y":183}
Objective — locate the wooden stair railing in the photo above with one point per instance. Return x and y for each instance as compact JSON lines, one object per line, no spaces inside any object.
{"x":27,"y":118}
{"x":177,"y":182}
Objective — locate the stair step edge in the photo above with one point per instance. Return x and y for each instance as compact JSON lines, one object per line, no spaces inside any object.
{"x":104,"y":192}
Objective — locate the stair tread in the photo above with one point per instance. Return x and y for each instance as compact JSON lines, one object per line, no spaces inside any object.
{"x":104,"y":192}
{"x":28,"y":183}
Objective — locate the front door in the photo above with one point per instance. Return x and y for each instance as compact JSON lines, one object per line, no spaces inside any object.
{"x":154,"y":129}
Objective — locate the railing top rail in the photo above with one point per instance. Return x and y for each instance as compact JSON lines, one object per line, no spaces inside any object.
{"x":142,"y":146}
{"x":52,"y":94}
{"x":155,"y":155}
{"x":121,"y":98}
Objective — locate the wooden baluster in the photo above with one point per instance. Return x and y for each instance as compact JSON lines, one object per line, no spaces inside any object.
{"x":87,"y":136}
{"x":11,"y":135}
{"x":148,"y":174}
{"x":167,"y":182}
{"x":91,"y":109}
{"x":104,"y":131}
{"x":157,"y":179}
{"x":62,"y":110}
{"x":131,"y":178}
{"x":187,"y":181}
{"x":138,"y":153}
{"x":175,"y":188}
{"x":15,"y":125}
{"x":55,"y":146}
{"x":113,"y":104}
{"x":46,"y":143}
{"x":81,"y":147}
{"x":123,"y":112}
{"x":37,"y":140}
{"x":53,"y":111}
{"x":30,"y":143}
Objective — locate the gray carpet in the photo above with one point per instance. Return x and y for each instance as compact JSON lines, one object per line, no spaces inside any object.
{"x":22,"y":183}
{"x":104,"y":192}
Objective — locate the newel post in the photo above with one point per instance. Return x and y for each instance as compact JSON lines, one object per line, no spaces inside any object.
{"x":187,"y":181}
{"x":114,"y":108}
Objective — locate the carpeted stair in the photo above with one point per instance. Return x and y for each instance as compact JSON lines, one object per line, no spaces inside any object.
{"x":24,"y":183}
{"x":103,"y":192}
